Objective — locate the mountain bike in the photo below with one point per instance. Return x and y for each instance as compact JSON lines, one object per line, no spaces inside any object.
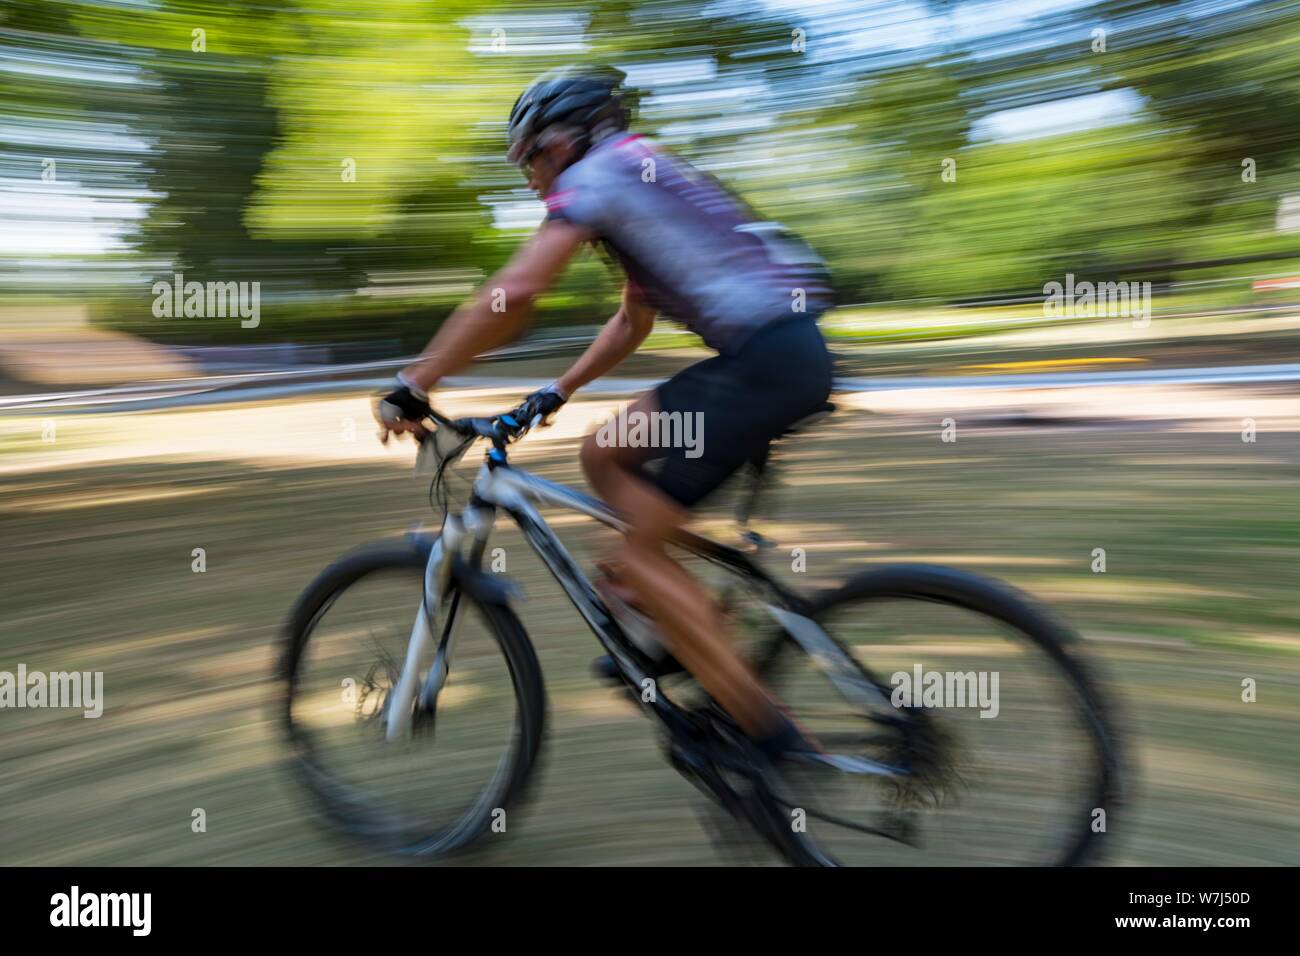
{"x":421,"y":738}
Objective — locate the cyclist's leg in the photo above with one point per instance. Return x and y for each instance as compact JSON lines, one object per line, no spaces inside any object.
{"x":692,"y":623}
{"x":739,"y":403}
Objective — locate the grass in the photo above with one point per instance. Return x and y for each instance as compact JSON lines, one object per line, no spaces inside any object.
{"x":1201,"y":534}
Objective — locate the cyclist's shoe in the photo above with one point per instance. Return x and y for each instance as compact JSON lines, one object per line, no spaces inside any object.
{"x":786,"y":742}
{"x":787,"y":770}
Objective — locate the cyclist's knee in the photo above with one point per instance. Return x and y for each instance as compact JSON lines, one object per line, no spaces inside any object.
{"x":595,"y":459}
{"x":605,"y":467}
{"x":599,"y":459}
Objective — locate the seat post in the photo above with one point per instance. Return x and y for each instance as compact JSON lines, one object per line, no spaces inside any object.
{"x":759,"y":467}
{"x":747,"y":505}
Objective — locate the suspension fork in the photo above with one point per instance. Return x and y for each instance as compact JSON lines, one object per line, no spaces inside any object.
{"x":475,"y":527}
{"x":478,"y":524}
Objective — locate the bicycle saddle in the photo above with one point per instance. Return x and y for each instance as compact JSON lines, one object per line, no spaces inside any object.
{"x":822,"y":412}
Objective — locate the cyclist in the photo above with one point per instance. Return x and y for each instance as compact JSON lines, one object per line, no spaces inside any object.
{"x":693,"y":251}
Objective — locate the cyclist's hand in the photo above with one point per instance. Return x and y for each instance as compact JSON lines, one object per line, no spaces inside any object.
{"x":401,"y":411}
{"x":539,"y":407}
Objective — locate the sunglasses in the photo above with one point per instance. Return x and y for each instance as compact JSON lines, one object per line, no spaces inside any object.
{"x":525,"y":161}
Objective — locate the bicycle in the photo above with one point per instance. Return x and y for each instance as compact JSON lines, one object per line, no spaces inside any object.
{"x":902,"y":765}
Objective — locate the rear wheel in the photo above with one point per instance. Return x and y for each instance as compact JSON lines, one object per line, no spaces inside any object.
{"x":462,"y":765}
{"x":1004,"y":756}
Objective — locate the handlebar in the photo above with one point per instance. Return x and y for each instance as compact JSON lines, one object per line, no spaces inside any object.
{"x":501,"y":430}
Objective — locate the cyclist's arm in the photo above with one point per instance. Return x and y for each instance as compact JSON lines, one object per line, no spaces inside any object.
{"x":620,"y":337}
{"x":474,"y":328}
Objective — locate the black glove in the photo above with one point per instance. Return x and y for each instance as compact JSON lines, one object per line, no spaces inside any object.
{"x":542,"y":404}
{"x":402,"y":404}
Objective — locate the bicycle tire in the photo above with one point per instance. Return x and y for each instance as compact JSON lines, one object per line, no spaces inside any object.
{"x":998,"y":602}
{"x":341,"y":804}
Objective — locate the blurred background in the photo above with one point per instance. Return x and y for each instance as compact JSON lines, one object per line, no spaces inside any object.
{"x":949,"y":159}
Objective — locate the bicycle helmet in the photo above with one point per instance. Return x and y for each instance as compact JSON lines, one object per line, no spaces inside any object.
{"x":590,"y":99}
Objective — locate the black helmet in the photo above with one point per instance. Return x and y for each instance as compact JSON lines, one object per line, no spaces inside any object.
{"x":583,"y":96}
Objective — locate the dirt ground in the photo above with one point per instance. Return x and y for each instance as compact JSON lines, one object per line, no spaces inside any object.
{"x":1200,"y":530}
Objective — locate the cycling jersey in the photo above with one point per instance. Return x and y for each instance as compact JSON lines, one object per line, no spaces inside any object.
{"x":688,"y":246}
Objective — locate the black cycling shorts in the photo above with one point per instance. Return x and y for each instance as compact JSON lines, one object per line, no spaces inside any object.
{"x":738,"y":403}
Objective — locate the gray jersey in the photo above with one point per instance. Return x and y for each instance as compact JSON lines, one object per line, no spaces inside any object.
{"x":689,"y":247}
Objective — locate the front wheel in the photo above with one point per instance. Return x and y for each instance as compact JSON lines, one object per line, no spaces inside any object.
{"x":960,"y":725}
{"x":465,"y":760}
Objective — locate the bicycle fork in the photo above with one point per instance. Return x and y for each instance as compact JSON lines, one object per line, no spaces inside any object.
{"x":400,"y":709}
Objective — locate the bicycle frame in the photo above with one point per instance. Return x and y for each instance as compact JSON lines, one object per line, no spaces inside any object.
{"x":501,"y":487}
